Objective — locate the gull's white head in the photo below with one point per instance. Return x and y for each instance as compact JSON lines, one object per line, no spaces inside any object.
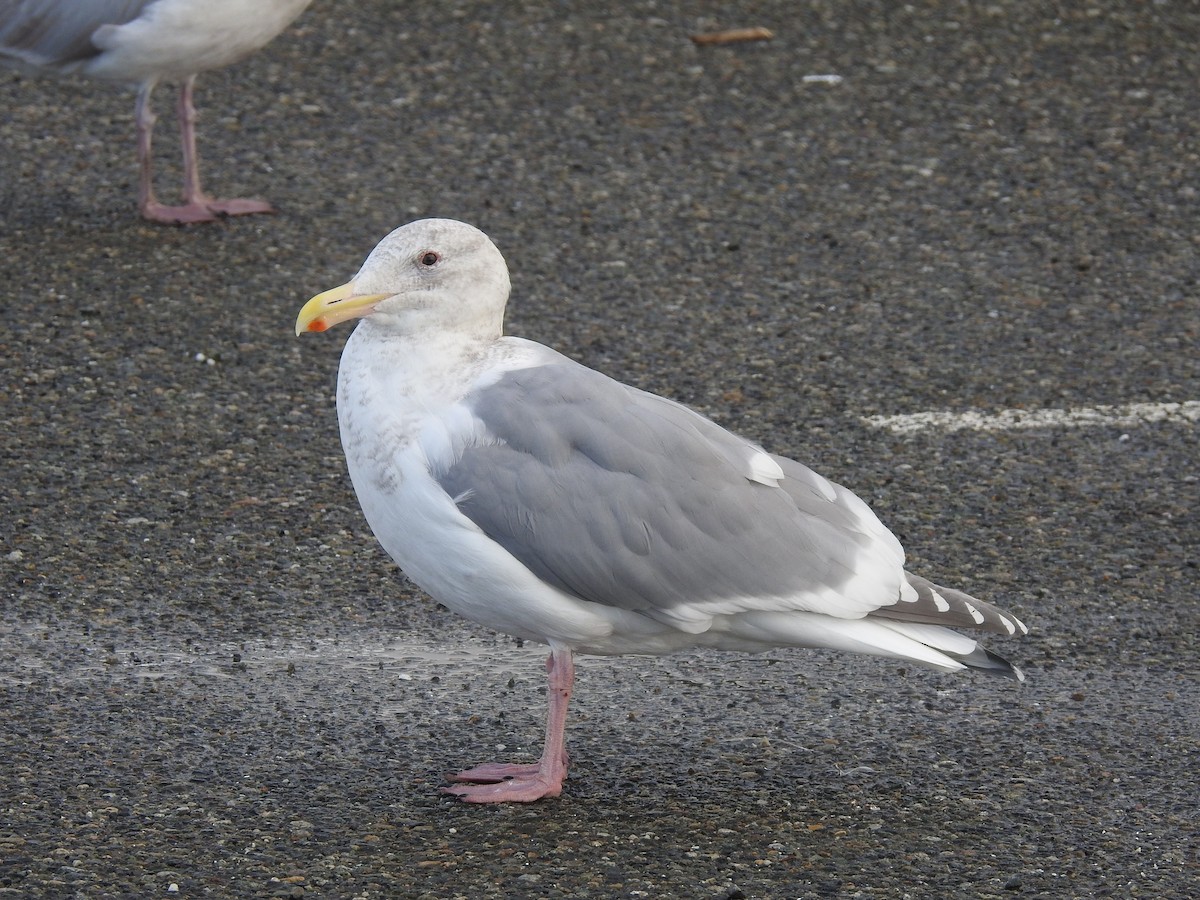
{"x":428,"y":273}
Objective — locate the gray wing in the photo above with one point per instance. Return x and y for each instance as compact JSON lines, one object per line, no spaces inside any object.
{"x":57,"y":33}
{"x":627,"y":499}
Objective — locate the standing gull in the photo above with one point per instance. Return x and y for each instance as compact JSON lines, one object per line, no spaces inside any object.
{"x":547,"y":501}
{"x":143,"y":41}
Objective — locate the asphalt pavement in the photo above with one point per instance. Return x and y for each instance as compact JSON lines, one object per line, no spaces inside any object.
{"x":212,"y":681}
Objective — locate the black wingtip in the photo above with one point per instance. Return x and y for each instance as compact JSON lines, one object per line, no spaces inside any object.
{"x":984,"y":660}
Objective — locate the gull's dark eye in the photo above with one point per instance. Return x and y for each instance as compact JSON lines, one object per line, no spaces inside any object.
{"x":429,"y":258}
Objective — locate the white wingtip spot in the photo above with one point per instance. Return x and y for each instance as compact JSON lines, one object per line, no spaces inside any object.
{"x":1009,"y":626}
{"x":975,"y":614}
{"x":765,"y":470}
{"x":940,"y":602}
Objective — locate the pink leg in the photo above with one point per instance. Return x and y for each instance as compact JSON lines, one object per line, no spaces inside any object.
{"x":144,"y":117}
{"x":514,"y":783}
{"x":197,"y":206}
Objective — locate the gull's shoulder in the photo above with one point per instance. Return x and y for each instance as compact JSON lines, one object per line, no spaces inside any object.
{"x":426,"y":398}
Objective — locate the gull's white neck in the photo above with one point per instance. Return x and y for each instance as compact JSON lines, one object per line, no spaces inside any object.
{"x":408,"y":373}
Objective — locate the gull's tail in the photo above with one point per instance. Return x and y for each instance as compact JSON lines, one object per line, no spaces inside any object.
{"x":919,"y":627}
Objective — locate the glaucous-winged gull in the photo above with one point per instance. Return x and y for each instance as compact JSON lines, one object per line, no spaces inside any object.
{"x":550,"y":502}
{"x":142,"y":42}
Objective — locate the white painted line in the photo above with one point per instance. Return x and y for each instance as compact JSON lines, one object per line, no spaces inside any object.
{"x":1130,"y":414}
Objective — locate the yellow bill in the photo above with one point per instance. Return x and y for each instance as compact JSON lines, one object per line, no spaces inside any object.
{"x":336,"y":305}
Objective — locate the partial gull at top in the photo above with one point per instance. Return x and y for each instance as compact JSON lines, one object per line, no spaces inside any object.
{"x":142,"y":42}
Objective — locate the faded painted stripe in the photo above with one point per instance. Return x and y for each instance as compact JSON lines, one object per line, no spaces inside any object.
{"x":1128,"y":415}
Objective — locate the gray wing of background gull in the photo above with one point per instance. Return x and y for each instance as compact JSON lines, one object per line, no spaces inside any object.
{"x":58,"y":34}
{"x":627,"y":499}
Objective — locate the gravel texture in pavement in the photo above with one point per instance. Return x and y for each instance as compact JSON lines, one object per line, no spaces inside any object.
{"x":212,"y":681}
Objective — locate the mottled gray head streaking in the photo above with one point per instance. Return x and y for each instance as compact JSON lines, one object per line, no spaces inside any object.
{"x":439,"y":273}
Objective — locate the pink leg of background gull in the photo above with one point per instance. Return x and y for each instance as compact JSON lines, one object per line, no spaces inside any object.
{"x":197,"y":206}
{"x":515,"y":783}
